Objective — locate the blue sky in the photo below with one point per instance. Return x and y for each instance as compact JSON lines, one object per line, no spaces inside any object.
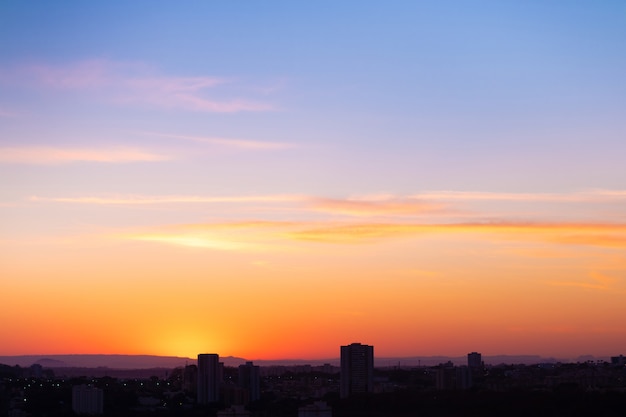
{"x":469,"y":86}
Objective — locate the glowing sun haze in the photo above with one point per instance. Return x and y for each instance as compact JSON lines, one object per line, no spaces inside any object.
{"x":275,"y":179}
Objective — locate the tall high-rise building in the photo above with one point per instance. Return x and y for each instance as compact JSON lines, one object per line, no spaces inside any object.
{"x":357,"y":369}
{"x":87,"y":399}
{"x":474,"y":360}
{"x":250,"y":380}
{"x":190,"y":378}
{"x":209,"y":378}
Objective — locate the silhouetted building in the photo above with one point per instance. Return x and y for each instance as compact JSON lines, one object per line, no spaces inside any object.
{"x":36,"y":370}
{"x":357,"y":369}
{"x":474,"y":360}
{"x":209,"y":378}
{"x":190,"y":378}
{"x":87,"y":400}
{"x":317,"y":409}
{"x":233,"y":395}
{"x":618,"y":360}
{"x":250,"y":380}
{"x":463,"y":378}
{"x":234,"y":411}
{"x":453,"y":378}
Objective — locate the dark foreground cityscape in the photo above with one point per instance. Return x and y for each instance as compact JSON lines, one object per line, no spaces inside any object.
{"x":355,"y":388}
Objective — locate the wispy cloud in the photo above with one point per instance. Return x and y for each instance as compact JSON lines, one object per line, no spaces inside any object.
{"x":4,"y":113}
{"x":607,"y":238}
{"x":360,"y":207}
{"x":132,"y":200}
{"x":240,"y":236}
{"x":605,"y":235}
{"x":193,"y":241}
{"x":201,"y":104}
{"x":244,"y":144}
{"x":357,"y":233}
{"x":471,"y":205}
{"x":580,"y":196}
{"x":133,"y":83}
{"x":595,"y":281}
{"x":376,"y":206}
{"x":392,"y":208}
{"x":273,"y":234}
{"x":47,"y":155}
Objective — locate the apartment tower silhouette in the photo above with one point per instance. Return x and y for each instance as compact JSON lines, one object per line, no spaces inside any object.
{"x":250,"y":380}
{"x":474,"y":360}
{"x":209,"y":378}
{"x":357,"y":369}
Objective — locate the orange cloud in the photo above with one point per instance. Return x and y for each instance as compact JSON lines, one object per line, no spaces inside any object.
{"x":610,"y":238}
{"x":242,"y":236}
{"x":612,"y":235}
{"x":597,"y":281}
{"x":270,"y":234}
{"x":194,"y":241}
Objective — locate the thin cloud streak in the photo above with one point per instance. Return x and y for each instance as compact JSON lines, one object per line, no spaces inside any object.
{"x":131,"y":83}
{"x":261,"y":232}
{"x":195,"y":103}
{"x":240,"y":236}
{"x":608,"y":239}
{"x":147,"y":200}
{"x":597,"y":281}
{"x":372,"y":206}
{"x":363,"y":207}
{"x":604,"y":235}
{"x":250,"y":224}
{"x":47,"y":155}
{"x":7,"y":113}
{"x":189,"y":241}
{"x":582,"y":196}
{"x":226,"y":142}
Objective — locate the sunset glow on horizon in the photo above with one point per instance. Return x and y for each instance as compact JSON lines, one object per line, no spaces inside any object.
{"x":273,"y":180}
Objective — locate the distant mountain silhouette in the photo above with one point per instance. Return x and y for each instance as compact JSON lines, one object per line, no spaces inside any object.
{"x":151,"y":361}
{"x":95,"y":361}
{"x":51,"y":363}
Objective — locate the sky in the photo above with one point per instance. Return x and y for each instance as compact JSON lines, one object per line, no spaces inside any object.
{"x":276,"y":179}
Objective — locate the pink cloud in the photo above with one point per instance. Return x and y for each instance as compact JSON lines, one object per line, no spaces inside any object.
{"x":82,"y":75}
{"x":132,"y":83}
{"x":194,"y":102}
{"x":46,"y":155}
{"x":7,"y":113}
{"x":246,"y":144}
{"x":581,"y":196}
{"x":172,"y":199}
{"x":377,"y":206}
{"x":173,"y":84}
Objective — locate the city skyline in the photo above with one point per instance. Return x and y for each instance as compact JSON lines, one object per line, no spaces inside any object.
{"x":270,"y":180}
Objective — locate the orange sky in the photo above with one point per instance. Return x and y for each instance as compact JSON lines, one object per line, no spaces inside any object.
{"x":276,"y":179}
{"x":300,"y":289}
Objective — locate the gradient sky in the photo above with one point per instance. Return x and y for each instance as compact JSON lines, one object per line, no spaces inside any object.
{"x":275,"y":179}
